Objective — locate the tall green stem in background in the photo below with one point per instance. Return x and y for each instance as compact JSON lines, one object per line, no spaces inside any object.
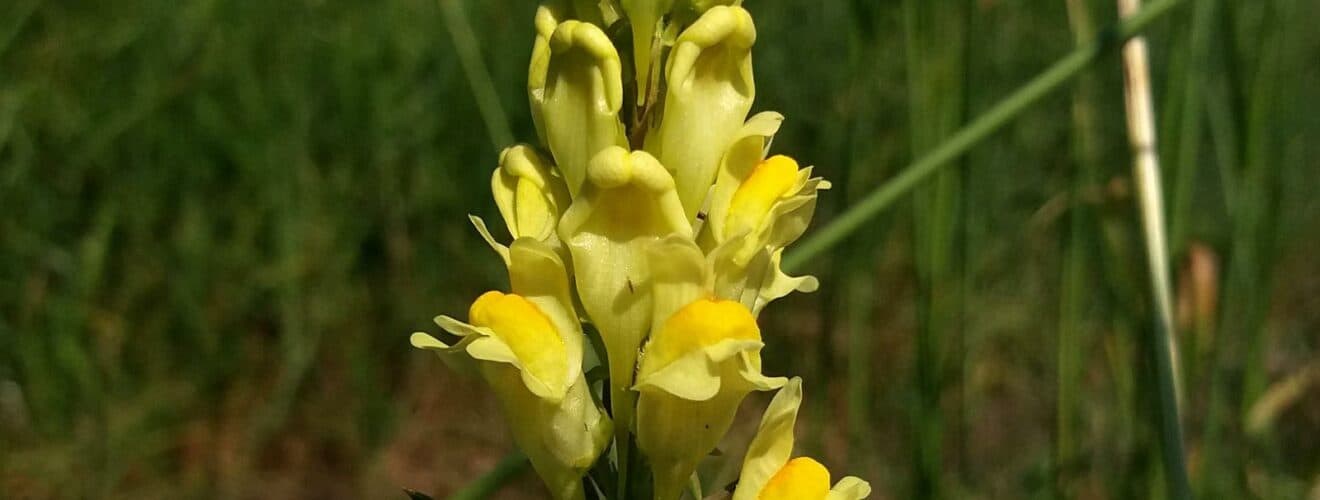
{"x":936,"y":33}
{"x":1074,"y":284}
{"x":479,"y":80}
{"x":1146,"y":175}
{"x":977,"y":130}
{"x":1242,"y":132}
{"x":1191,"y":123}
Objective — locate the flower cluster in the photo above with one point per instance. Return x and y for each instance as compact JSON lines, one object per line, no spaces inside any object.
{"x":650,"y":222}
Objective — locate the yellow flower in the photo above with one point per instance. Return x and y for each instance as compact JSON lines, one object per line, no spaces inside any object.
{"x":576,"y":90}
{"x":710,"y":91}
{"x":769,"y":474}
{"x":528,"y":346}
{"x":627,"y":203}
{"x":757,"y":207}
{"x":529,"y":193}
{"x":702,"y":359}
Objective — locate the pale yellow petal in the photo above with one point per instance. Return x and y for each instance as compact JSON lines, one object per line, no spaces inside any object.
{"x":850,"y":488}
{"x":500,"y":249}
{"x":710,"y":91}
{"x":627,"y":204}
{"x":576,"y":91}
{"x":537,"y":273}
{"x":744,"y":153}
{"x":679,"y":276}
{"x":772,"y":447}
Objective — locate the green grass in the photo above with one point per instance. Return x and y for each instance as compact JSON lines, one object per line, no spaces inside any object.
{"x":219,"y":220}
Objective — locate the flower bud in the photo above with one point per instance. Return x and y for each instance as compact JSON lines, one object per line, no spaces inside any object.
{"x":645,"y":17}
{"x":529,"y":193}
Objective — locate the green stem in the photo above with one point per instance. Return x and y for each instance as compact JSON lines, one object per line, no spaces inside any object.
{"x":1191,"y":127}
{"x":936,"y":53}
{"x":694,"y":487}
{"x":483,"y":87}
{"x":1074,"y":285}
{"x":622,"y":403}
{"x":1145,"y":172}
{"x":973,"y":133}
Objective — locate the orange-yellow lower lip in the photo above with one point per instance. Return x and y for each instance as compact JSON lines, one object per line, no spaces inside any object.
{"x":800,"y":479}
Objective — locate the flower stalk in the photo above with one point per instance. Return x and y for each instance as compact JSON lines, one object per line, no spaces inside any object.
{"x":662,"y":225}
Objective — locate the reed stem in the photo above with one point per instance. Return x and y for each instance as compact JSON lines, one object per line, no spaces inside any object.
{"x":1146,"y":174}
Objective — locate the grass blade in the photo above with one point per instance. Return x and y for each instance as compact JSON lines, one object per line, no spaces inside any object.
{"x":483,"y":87}
{"x":972,"y":134}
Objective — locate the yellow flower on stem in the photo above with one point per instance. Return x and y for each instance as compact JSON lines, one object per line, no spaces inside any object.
{"x":768,"y":473}
{"x":529,"y":193}
{"x":528,"y":346}
{"x":627,"y":203}
{"x":576,"y":91}
{"x":757,"y":207}
{"x":710,"y":90}
{"x":701,"y":361}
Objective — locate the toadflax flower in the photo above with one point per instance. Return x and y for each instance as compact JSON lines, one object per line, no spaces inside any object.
{"x":710,"y":91}
{"x":528,"y":345}
{"x":757,"y":207}
{"x":576,"y":90}
{"x":529,"y":193}
{"x":769,"y":474}
{"x":627,"y":203}
{"x":703,"y":358}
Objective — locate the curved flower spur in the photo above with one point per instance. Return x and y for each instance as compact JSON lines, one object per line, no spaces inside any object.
{"x":650,"y":218}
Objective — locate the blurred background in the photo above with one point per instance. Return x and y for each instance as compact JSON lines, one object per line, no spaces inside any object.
{"x":221,"y":219}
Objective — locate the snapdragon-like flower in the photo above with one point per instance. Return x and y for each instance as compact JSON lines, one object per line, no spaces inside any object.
{"x":627,"y":203}
{"x":757,"y":207}
{"x":576,"y":91}
{"x":529,"y":193}
{"x":768,"y":472}
{"x":710,"y":91}
{"x":528,"y":345}
{"x":702,"y":359}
